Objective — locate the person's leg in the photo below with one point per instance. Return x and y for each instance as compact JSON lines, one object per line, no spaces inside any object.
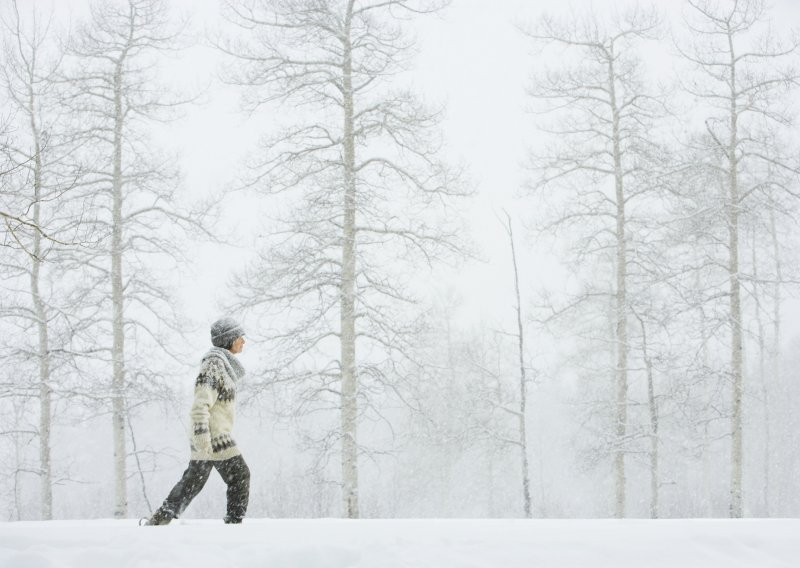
{"x":236,"y":475}
{"x":190,"y":484}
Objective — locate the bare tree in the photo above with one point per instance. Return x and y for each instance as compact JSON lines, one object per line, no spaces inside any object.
{"x":27,"y":56}
{"x":523,"y":381}
{"x":111,"y":75}
{"x":368,"y":196}
{"x":41,"y":178}
{"x":598,"y":167}
{"x":774,"y":351}
{"x":742,"y":94}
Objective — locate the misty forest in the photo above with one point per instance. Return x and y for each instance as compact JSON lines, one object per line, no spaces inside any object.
{"x":599,"y":323}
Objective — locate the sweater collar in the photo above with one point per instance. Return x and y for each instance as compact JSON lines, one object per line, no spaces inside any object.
{"x":231,"y":362}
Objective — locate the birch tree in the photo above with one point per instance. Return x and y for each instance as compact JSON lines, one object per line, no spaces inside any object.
{"x":358,"y":164}
{"x":28,"y":97}
{"x":523,"y":381}
{"x":743,"y":73}
{"x":114,"y":94}
{"x":40,"y":177}
{"x":774,"y":350}
{"x":595,"y":175}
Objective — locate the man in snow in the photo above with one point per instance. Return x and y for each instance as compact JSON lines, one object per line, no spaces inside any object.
{"x":213,"y":414}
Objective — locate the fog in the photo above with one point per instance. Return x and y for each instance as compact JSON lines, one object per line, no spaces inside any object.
{"x":347,"y":180}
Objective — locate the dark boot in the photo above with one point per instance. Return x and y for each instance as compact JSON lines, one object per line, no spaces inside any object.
{"x":160,"y":517}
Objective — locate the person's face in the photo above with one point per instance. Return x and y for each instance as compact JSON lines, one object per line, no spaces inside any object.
{"x":237,"y":346}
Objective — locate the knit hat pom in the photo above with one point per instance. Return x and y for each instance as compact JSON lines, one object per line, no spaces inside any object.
{"x":225,"y":331}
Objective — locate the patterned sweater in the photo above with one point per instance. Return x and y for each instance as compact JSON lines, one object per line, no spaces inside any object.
{"x":213,"y":411}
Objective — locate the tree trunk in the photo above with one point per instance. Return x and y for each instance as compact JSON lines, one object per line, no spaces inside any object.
{"x":621,"y":307}
{"x":45,"y":393}
{"x":762,"y":378}
{"x":777,"y":383}
{"x":735,"y":304}
{"x":653,"y":408}
{"x":18,"y":473}
{"x":708,"y":481}
{"x":443,"y":437}
{"x":523,"y":386}
{"x":491,"y":501}
{"x":118,"y":317}
{"x":348,"y":334}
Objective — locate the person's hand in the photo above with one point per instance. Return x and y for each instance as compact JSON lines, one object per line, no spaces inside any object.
{"x":202,"y":443}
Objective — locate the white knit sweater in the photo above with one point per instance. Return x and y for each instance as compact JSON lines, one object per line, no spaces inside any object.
{"x":213,"y":411}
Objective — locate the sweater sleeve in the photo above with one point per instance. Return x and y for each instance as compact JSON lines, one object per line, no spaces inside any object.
{"x":206,"y":393}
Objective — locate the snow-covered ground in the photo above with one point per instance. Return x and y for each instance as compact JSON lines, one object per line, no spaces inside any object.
{"x":327,"y":543}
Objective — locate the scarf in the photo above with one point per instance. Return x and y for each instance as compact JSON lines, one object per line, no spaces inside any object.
{"x":232,"y":365}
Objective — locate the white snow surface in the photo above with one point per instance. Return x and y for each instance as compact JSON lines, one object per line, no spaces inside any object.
{"x":330,"y":543}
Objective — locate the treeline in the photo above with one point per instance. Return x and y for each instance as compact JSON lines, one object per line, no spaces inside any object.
{"x":663,"y":176}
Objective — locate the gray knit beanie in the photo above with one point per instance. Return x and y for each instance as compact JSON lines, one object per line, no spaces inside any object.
{"x":225,"y":331}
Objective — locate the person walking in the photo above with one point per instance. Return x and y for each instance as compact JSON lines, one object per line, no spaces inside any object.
{"x":212,"y":445}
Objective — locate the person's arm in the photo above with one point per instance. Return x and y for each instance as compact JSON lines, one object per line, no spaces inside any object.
{"x":206,"y":393}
